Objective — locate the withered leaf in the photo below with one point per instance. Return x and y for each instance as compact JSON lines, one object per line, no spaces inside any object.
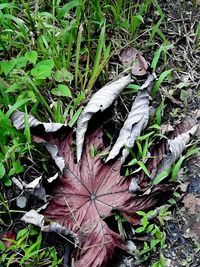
{"x":99,"y":102}
{"x":87,"y":193}
{"x":37,"y":219}
{"x":135,"y":122}
{"x":170,"y":150}
{"x":132,"y":58}
{"x":17,"y":118}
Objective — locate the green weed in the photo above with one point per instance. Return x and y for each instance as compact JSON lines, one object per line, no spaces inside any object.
{"x":27,"y":250}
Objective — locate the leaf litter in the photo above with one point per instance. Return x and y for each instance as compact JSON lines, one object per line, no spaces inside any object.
{"x":132,"y":59}
{"x":90,"y":190}
{"x":135,"y":122}
{"x":101,"y":100}
{"x":87,"y":193}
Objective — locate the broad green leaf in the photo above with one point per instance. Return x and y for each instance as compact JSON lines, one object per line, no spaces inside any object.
{"x":144,"y":168}
{"x":7,"y":181}
{"x":133,"y":86}
{"x":156,"y":58}
{"x":16,"y":168}
{"x":47,"y":62}
{"x":63,"y":75}
{"x":21,"y":62}
{"x":2,"y":246}
{"x":139,"y":230}
{"x":75,"y":117}
{"x":2,"y":170}
{"x":16,"y":106}
{"x":27,"y":128}
{"x":92,"y":151}
{"x":7,"y":66}
{"x":13,"y":88}
{"x":141,"y":213}
{"x":61,"y":90}
{"x":41,"y":72}
{"x":132,"y":162}
{"x":31,"y":56}
{"x":192,"y":151}
{"x":21,"y":233}
{"x":8,"y":5}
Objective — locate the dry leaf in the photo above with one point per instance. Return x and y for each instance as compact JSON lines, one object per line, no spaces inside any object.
{"x":53,"y":150}
{"x":21,"y":202}
{"x":166,"y":152}
{"x":132,"y":58}
{"x":33,"y":217}
{"x":87,"y":193}
{"x":165,"y":128}
{"x":176,"y":147}
{"x":135,"y":123}
{"x":99,"y":102}
{"x":17,"y":118}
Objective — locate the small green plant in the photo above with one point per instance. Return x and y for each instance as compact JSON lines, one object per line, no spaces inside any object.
{"x":141,"y":153}
{"x":160,"y":262}
{"x":174,"y":170}
{"x":120,"y":220}
{"x":27,"y":250}
{"x":157,"y":238}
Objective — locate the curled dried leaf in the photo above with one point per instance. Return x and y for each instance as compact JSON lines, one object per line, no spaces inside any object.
{"x":33,"y":217}
{"x":99,"y":102}
{"x":135,"y":122}
{"x":18,"y":120}
{"x":176,"y":147}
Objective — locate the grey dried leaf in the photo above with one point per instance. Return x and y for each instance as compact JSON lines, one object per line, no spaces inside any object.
{"x":18,"y":183}
{"x":17,"y":118}
{"x":99,"y":102}
{"x":43,"y":207}
{"x":132,"y":58}
{"x":21,"y":202}
{"x":176,"y":148}
{"x":34,"y":218}
{"x":134,"y":187}
{"x":53,"y":150}
{"x":130,"y":246}
{"x":165,"y":128}
{"x":59,"y":229}
{"x":34,"y":184}
{"x":52,"y":178}
{"x":135,"y":123}
{"x":40,"y":193}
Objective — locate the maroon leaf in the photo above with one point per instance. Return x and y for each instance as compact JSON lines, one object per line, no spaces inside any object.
{"x":87,"y":193}
{"x":6,"y":237}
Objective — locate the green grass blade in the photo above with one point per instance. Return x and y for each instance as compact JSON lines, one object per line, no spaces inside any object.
{"x":160,"y":80}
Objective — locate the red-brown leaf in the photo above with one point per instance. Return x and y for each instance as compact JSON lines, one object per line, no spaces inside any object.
{"x":87,"y":193}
